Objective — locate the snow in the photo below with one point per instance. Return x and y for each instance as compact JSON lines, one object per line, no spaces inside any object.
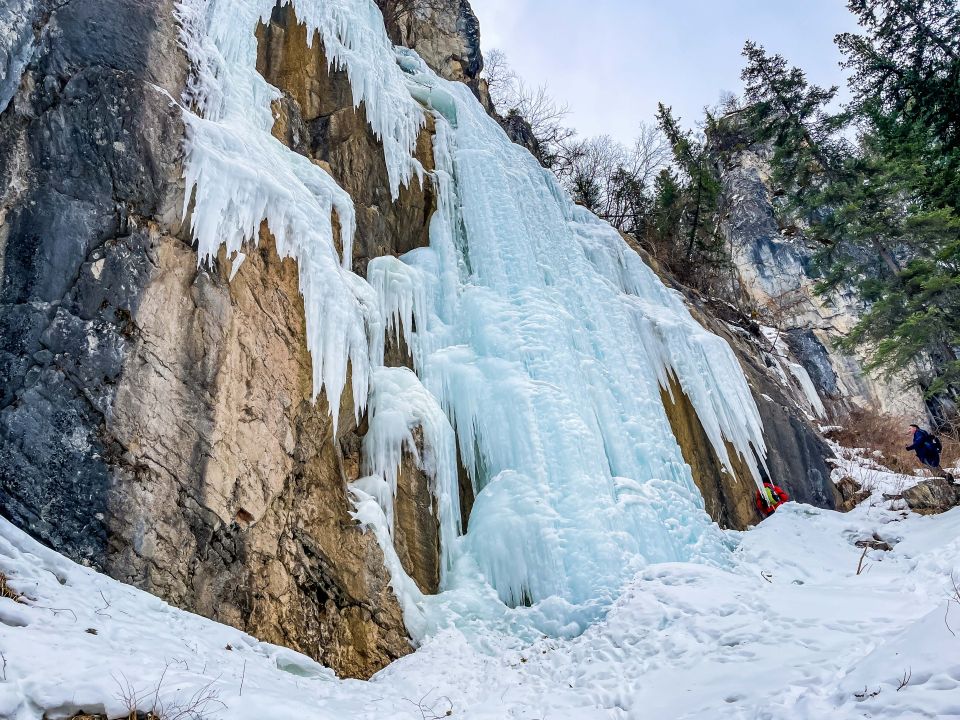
{"x":863,"y":466}
{"x":541,"y":341}
{"x":779,"y":634}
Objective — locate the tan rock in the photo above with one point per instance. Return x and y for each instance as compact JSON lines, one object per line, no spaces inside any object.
{"x":932,"y":497}
{"x":232,"y":501}
{"x":729,"y":497}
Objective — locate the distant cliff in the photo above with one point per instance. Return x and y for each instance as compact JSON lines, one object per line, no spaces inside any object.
{"x":774,"y":263}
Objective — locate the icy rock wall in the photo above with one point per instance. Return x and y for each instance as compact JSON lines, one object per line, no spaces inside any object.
{"x":539,"y":335}
{"x":158,"y":419}
{"x":445,"y":33}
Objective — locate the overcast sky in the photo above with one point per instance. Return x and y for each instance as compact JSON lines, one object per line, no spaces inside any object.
{"x":611,"y":61}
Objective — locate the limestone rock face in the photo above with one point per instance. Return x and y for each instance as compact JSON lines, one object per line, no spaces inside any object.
{"x":728,"y":496}
{"x":229,"y":497}
{"x":90,"y":160}
{"x":445,"y":33}
{"x":318,"y":103}
{"x":796,"y":453}
{"x":156,"y":420}
{"x":774,"y":264}
{"x":796,"y":459}
{"x":316,"y":117}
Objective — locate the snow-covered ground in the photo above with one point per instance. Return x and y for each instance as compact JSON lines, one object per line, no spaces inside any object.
{"x":789,"y":631}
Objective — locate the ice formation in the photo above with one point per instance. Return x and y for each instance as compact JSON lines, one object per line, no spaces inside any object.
{"x":540,"y":340}
{"x":399,"y":405}
{"x":782,"y":365}
{"x":809,"y":389}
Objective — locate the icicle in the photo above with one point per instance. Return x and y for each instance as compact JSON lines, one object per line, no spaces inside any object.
{"x":238,"y":176}
{"x":402,"y":291}
{"x":399,"y":405}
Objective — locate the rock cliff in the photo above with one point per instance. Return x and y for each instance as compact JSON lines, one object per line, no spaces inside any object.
{"x":774,"y":262}
{"x":156,"y":418}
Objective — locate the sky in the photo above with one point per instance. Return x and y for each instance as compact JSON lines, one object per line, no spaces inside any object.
{"x":612,"y":61}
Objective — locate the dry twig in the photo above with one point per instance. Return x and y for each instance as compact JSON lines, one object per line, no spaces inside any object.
{"x":440,"y":708}
{"x":905,"y":680}
{"x":199,"y":706}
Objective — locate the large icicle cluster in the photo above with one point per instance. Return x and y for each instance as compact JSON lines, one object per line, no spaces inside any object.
{"x":399,"y":405}
{"x":239,"y":176}
{"x":542,"y":337}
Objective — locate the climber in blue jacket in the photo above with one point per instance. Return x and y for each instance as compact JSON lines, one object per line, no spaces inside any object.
{"x":926,"y":446}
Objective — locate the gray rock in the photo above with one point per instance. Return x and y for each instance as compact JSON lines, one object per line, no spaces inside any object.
{"x":18,"y":39}
{"x":815,"y":359}
{"x":932,"y":497}
{"x":89,"y":148}
{"x":446,"y":34}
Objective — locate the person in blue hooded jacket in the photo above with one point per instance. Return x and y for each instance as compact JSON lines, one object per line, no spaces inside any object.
{"x":926,"y":446}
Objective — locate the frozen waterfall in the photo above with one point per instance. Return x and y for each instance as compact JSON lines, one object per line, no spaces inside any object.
{"x":540,"y":339}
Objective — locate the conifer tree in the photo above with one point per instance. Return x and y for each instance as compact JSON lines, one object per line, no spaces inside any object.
{"x":906,"y":83}
{"x":698,"y":228}
{"x":786,"y":109}
{"x":886,"y":210}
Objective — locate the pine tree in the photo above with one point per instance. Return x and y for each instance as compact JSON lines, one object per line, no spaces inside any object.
{"x":701,"y":247}
{"x":885,"y":211}
{"x":906,"y":82}
{"x":785,"y":109}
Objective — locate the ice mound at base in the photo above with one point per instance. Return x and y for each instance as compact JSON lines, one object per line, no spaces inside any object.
{"x":540,"y":340}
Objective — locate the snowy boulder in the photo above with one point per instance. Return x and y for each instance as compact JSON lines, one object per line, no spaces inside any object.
{"x":933,"y":497}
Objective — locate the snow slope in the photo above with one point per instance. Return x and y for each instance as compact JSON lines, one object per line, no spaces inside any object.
{"x":788,"y":631}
